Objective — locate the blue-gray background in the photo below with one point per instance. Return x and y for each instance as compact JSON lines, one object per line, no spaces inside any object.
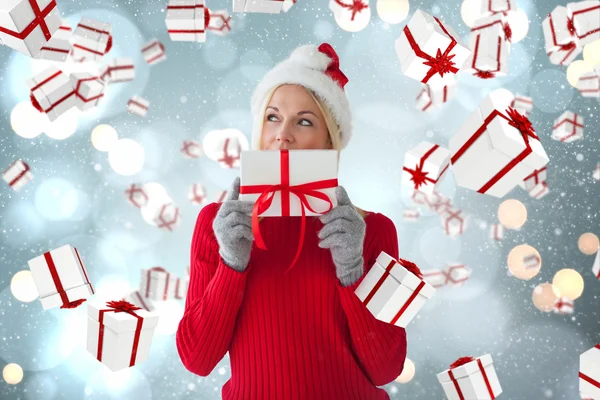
{"x":207,"y":86}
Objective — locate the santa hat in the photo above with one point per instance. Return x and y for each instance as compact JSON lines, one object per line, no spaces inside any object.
{"x":317,"y":69}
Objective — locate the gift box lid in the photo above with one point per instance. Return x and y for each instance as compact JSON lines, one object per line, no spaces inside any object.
{"x":404,"y":276}
{"x":466,"y":369}
{"x":120,"y":322}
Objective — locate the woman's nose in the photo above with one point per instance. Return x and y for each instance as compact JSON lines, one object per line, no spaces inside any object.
{"x":284,"y":135}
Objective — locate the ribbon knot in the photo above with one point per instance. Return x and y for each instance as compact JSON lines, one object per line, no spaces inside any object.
{"x":442,"y":63}
{"x":418,"y":176}
{"x":461,"y":361}
{"x":522,"y":123}
{"x":571,"y":26}
{"x":333,"y":69}
{"x":123,"y":306}
{"x":568,"y":46}
{"x":507,"y":32}
{"x":411,"y":267}
{"x":485,"y":74}
{"x":356,"y":7}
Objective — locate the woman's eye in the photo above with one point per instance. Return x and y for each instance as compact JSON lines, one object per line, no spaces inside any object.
{"x":272,"y":118}
{"x":305,"y":122}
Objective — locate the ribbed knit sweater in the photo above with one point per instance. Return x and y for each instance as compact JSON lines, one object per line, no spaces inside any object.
{"x":299,"y":336}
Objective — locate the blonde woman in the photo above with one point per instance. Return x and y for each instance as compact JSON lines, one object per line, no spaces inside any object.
{"x":303,"y":335}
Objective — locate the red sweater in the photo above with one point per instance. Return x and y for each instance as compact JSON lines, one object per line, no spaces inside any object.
{"x":290,"y":337}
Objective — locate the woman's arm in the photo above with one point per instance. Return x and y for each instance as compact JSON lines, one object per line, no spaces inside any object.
{"x":379,"y":346}
{"x":213,"y":300}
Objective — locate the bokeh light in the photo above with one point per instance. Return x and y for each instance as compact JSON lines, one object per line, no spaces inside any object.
{"x":591,"y":53}
{"x":524,"y":262}
{"x":519,"y":24}
{"x":576,"y":69}
{"x":12,"y":374}
{"x":26,"y":121}
{"x":544,"y":297}
{"x":512,"y":214}
{"x":569,"y":283}
{"x":104,"y":137}
{"x":393,"y":11}
{"x":408,"y":373}
{"x":588,"y":243}
{"x":23,"y":287}
{"x":126,"y":157}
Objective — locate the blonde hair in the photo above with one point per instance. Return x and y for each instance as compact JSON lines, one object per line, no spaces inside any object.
{"x":335,"y":136}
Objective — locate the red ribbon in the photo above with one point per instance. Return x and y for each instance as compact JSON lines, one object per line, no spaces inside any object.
{"x":516,"y":120}
{"x":148,"y":277}
{"x":267,"y":193}
{"x":410,"y":267}
{"x":450,"y":216}
{"x":462,"y":361}
{"x":574,"y":124}
{"x":333,"y":69}
{"x":140,"y":105}
{"x":108,"y":42}
{"x":504,"y":12}
{"x":442,"y":62}
{"x":227,"y":158}
{"x":79,"y":82}
{"x":159,"y":55}
{"x":66,"y":303}
{"x":19,"y":175}
{"x":132,"y":190}
{"x":167,"y":224}
{"x":120,"y":306}
{"x":486,"y":74}
{"x":140,"y":299}
{"x":418,"y":176}
{"x":356,"y":7}
{"x":583,"y":11}
{"x":38,"y":20}
{"x":223,"y":27}
{"x":110,"y":70}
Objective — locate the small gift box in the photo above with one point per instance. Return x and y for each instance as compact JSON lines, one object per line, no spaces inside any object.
{"x":119,"y":69}
{"x":138,"y":105}
{"x":497,"y":6}
{"x":186,"y":20}
{"x":138,"y":300}
{"x":559,"y":32}
{"x":429,"y":51}
{"x":230,"y":154}
{"x":585,"y":17}
{"x":17,"y":175}
{"x":497,"y":231}
{"x":157,"y":284}
{"x":89,"y":89}
{"x":59,"y":46}
{"x":496,"y":147}
{"x":136,"y":195}
{"x":531,"y":261}
{"x":424,"y":167}
{"x":191,"y":149}
{"x":28,"y":25}
{"x":167,"y":217}
{"x":457,"y":274}
{"x":564,"y":306}
{"x":181,"y":288}
{"x":436,"y":278}
{"x":589,"y":83}
{"x":61,"y":278}
{"x":258,"y":6}
{"x":92,"y":40}
{"x":539,"y":190}
{"x":394,"y":290}
{"x":52,"y":92}
{"x":596,"y":266}
{"x":523,"y":104}
{"x":568,"y":127}
{"x":454,"y":221}
{"x":489,"y":50}
{"x":536,"y":177}
{"x":219,"y":22}
{"x":197,"y":194}
{"x":471,"y":378}
{"x":119,"y":334}
{"x":154,"y":52}
{"x":432,"y":97}
{"x":411,"y":214}
{"x":589,"y":372}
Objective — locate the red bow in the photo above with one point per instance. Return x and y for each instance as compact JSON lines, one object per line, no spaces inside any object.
{"x":507,"y":32}
{"x":356,"y":7}
{"x":411,"y":267}
{"x":442,"y":63}
{"x":485,"y":74}
{"x":333,"y":69}
{"x":522,"y":123}
{"x":461,"y":361}
{"x":122,"y":306}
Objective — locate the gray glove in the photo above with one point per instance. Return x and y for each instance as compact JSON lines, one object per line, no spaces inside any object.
{"x":233,"y":229}
{"x":344,"y":233}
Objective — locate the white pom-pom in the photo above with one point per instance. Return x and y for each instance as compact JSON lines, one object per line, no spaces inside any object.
{"x":310,"y":56}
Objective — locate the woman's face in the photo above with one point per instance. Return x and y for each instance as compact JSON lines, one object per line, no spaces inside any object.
{"x":293,"y":120}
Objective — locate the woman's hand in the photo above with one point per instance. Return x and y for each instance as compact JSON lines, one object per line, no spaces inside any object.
{"x":344,"y":233}
{"x":233,"y":229}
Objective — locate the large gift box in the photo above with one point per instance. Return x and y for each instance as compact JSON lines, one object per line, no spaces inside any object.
{"x":496,"y":147}
{"x":17,"y":175}
{"x":489,"y":49}
{"x":119,"y":333}
{"x":27,"y":25}
{"x":523,"y":104}
{"x":219,"y":22}
{"x":167,"y":217}
{"x":471,"y":379}
{"x":424,"y":166}
{"x":137,"y":299}
{"x":154,"y":52}
{"x":394,"y":290}
{"x":92,"y":40}
{"x":258,"y":6}
{"x":568,"y":127}
{"x":589,"y":372}
{"x":89,"y":89}
{"x":138,"y":105}
{"x":61,"y":278}
{"x":589,"y":83}
{"x":119,"y":69}
{"x":157,"y":283}
{"x":59,"y":46}
{"x":186,"y":20}
{"x":52,"y":92}
{"x":429,"y":51}
{"x":585,"y":17}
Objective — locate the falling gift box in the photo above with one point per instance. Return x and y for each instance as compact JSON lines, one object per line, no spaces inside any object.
{"x":424,"y":166}
{"x":411,"y":214}
{"x":497,"y":232}
{"x":535,"y":178}
{"x":589,"y":372}
{"x":52,"y":92}
{"x":119,"y":333}
{"x":495,"y":148}
{"x":197,"y":194}
{"x":585,"y":17}
{"x":432,"y":97}
{"x":89,"y":89}
{"x":191,"y":149}
{"x":562,"y":45}
{"x":92,"y":40}
{"x":187,"y":20}
{"x":435,"y":277}
{"x":27,"y":25}
{"x":497,"y":6}
{"x":568,"y":127}
{"x":118,"y":70}
{"x":181,"y":288}
{"x":136,"y":195}
{"x":157,"y":284}
{"x":596,"y":266}
{"x":564,"y":306}
{"x":352,"y":14}
{"x":429,"y":51}
{"x":138,"y":105}
{"x":471,"y":378}
{"x":230,"y":154}
{"x":167,"y":217}
{"x":531,"y":261}
{"x":61,"y":278}
{"x":258,"y":6}
{"x":437,"y":203}
{"x":17,"y":175}
{"x":490,"y":49}
{"x":589,"y":83}
{"x":59,"y":46}
{"x":219,"y":22}
{"x":154,"y":52}
{"x":454,"y":222}
{"x":138,"y":300}
{"x":457,"y":274}
{"x":540,"y":190}
{"x":523,"y":104}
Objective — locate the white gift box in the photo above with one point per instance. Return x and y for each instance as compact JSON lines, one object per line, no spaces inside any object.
{"x":154,"y":52}
{"x":494,"y":21}
{"x":531,"y":261}
{"x":181,"y":288}
{"x":424,"y":166}
{"x":476,"y":379}
{"x":157,"y":284}
{"x":258,"y":6}
{"x":437,"y":203}
{"x":119,"y":69}
{"x":186,"y":20}
{"x":564,"y":305}
{"x":136,"y":195}
{"x":589,"y":372}
{"x":586,"y":20}
{"x":430,"y":51}
{"x":17,"y":175}
{"x":59,"y":46}
{"x":393,"y":293}
{"x":454,"y":222}
{"x":596,"y":266}
{"x":92,"y":39}
{"x":565,"y":55}
{"x":419,"y":197}
{"x":137,"y":299}
{"x":229,"y":156}
{"x":497,"y":231}
{"x":431,"y":97}
{"x":197,"y":194}
{"x":568,"y":127}
{"x":536,"y":177}
{"x":411,"y":214}
{"x":167,"y":217}
{"x":61,"y":278}
{"x":589,"y":83}
{"x":497,"y":6}
{"x":435,"y":277}
{"x":89,"y":89}
{"x":119,"y":334}
{"x":191,"y":149}
{"x":138,"y":105}
{"x":220,"y":22}
{"x":457,"y":274}
{"x":495,"y":148}
{"x":52,"y":92}
{"x":539,"y":190}
{"x":295,"y":169}
{"x":522,"y":104}
{"x":559,"y":32}
{"x":27,"y":25}
{"x":489,"y":52}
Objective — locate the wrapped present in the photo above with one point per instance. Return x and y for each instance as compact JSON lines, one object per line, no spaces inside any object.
{"x":59,"y":46}
{"x":187,"y":20}
{"x":119,"y":334}
{"x":497,"y":6}
{"x":497,"y":231}
{"x":564,"y":305}
{"x":454,"y":221}
{"x":596,"y":266}
{"x":221,"y":196}
{"x":89,"y":89}
{"x":419,"y":197}
{"x":424,"y":166}
{"x":523,"y":104}
{"x":157,"y":284}
{"x":138,"y":105}
{"x":154,"y":52}
{"x":197,"y":194}
{"x":136,"y":195}
{"x":411,"y":214}
{"x":181,"y":288}
{"x":496,"y":147}
{"x":457,"y":274}
{"x":191,"y":149}
{"x":559,"y":32}
{"x":497,"y":20}
{"x":438,"y":203}
{"x":431,"y":97}
{"x":219,"y":22}
{"x":536,"y":177}
{"x":589,"y":83}
{"x":585,"y":17}
{"x":539,"y":190}
{"x":568,"y":127}
{"x":489,"y":49}
{"x":596,"y":173}
{"x":61,"y":278}
{"x":230,"y":155}
{"x":429,"y":51}
{"x":471,"y":378}
{"x":137,"y":299}
{"x":589,"y":372}
{"x":167,"y":217}
{"x":92,"y":40}
{"x":531,"y":261}
{"x":435,"y":277}
{"x":394,"y":290}
{"x":17,"y":175}
{"x":353,"y":15}
{"x":119,"y":69}
{"x":258,"y":6}
{"x":28,"y":25}
{"x":52,"y":92}
{"x":287,"y":4}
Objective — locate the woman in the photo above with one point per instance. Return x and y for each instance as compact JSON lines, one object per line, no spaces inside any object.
{"x":304,"y":334}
